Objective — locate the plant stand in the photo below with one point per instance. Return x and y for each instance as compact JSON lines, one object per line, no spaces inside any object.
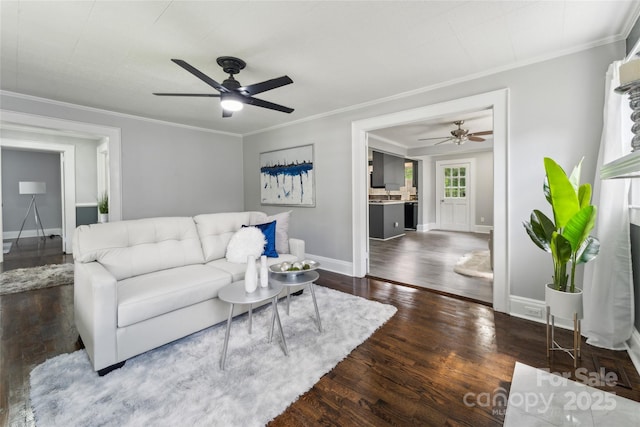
{"x":552,"y":345}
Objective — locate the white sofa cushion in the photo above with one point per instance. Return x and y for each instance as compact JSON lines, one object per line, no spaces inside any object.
{"x":237,"y":270}
{"x":282,"y":231}
{"x":150,"y":295}
{"x":216,"y":230}
{"x":131,"y":248}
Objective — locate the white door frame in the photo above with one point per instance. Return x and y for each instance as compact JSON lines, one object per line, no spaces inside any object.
{"x":471,"y":190}
{"x":67,"y":179}
{"x":111,"y":134}
{"x":497,"y":100}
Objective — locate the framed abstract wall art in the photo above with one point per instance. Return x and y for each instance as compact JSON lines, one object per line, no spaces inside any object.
{"x":287,"y":177}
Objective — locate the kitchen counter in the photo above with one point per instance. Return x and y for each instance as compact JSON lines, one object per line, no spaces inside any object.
{"x":386,"y":202}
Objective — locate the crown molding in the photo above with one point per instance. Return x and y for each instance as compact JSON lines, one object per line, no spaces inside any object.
{"x":111,"y":113}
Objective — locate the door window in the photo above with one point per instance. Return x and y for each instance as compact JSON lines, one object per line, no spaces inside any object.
{"x":455,"y":182}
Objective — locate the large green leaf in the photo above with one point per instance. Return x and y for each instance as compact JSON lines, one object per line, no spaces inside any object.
{"x":579,"y":226}
{"x":564,"y":198}
{"x":575,"y":176}
{"x":588,"y":250}
{"x":540,"y":229}
{"x":560,"y":248}
{"x":584,"y":195}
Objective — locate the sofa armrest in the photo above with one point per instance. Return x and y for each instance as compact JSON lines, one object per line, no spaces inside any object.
{"x":96,"y":312}
{"x":296,"y":247}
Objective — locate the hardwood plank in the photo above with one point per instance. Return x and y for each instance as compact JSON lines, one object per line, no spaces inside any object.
{"x":414,"y":370}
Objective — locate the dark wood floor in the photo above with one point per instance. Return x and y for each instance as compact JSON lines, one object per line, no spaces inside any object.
{"x":427,"y":259}
{"x":414,"y":370}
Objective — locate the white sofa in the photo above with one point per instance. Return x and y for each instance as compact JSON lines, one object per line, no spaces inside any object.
{"x":140,"y":284}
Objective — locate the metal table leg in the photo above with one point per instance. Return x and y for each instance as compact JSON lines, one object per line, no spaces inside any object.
{"x":315,"y":304}
{"x":226,"y":338}
{"x":277,"y":317}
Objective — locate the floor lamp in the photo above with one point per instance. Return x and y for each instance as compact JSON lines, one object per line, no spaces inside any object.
{"x":32,"y":188}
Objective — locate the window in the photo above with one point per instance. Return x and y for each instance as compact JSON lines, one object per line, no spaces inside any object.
{"x":455,"y":182}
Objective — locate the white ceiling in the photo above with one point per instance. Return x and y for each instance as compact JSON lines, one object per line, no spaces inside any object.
{"x":112,"y":55}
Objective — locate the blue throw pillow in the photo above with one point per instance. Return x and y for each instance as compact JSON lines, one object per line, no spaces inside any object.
{"x":269,"y":231}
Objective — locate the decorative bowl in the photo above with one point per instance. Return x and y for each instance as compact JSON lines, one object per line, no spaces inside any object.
{"x":278,"y":268}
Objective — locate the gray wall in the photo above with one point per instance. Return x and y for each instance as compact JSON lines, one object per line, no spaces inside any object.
{"x":85,"y":154}
{"x":166,"y":170}
{"x":555,"y":110}
{"x":30,"y":166}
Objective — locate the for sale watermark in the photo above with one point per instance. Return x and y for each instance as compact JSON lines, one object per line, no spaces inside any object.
{"x":551,"y":387}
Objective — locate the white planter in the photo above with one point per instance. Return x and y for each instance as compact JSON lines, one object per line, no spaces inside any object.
{"x":103,"y":217}
{"x":563,"y":304}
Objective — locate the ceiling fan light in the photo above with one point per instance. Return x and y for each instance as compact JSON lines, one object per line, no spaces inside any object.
{"x":230,"y":104}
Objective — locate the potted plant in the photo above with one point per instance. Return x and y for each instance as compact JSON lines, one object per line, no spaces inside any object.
{"x":566,"y":237}
{"x":103,"y":208}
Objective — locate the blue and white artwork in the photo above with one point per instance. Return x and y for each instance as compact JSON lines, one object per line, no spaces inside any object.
{"x":287,"y":177}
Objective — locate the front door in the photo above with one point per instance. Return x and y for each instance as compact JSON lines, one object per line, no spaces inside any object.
{"x":453,"y":184}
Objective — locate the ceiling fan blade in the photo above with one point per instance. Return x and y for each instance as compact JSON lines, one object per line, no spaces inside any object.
{"x":207,"y":95}
{"x":484,"y":132}
{"x":266,"y":104}
{"x":199,"y":74}
{"x":226,"y":113}
{"x":257,"y":88}
{"x":446,"y":140}
{"x":438,"y":137}
{"x":476,"y":138}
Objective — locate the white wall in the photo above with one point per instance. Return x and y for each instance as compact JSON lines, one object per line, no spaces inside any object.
{"x":555,"y":110}
{"x":166,"y":169}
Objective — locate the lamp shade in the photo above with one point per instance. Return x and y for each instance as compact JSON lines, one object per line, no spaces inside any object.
{"x":32,"y":187}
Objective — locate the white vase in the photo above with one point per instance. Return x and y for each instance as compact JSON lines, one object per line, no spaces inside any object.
{"x":264,"y":272}
{"x":103,"y":218}
{"x":251,"y":275}
{"x":563,"y":304}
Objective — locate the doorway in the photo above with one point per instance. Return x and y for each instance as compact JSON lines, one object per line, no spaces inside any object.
{"x":109,"y":135}
{"x":498,"y":102}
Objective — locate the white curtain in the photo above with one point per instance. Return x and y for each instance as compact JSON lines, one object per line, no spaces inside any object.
{"x":608,"y":283}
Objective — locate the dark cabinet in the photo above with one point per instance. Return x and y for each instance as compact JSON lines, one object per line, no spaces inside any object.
{"x":386,"y":220}
{"x":411,"y":215}
{"x":387,"y":169}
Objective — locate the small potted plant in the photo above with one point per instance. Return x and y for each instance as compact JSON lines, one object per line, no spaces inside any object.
{"x":566,"y":237}
{"x":103,"y":208}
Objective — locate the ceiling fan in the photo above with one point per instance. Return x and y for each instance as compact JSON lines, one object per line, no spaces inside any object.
{"x":460,"y":136}
{"x":232,"y":95}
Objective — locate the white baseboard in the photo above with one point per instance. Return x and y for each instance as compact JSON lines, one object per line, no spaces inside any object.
{"x":485,"y":229}
{"x":535,"y":310}
{"x":426,"y":227}
{"x":633,"y":348}
{"x":334,"y":265}
{"x":31,"y":233}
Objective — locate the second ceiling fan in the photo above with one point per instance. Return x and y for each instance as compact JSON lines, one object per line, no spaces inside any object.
{"x":232,"y":95}
{"x":460,"y":136}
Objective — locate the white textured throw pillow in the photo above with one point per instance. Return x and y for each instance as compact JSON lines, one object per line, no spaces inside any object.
{"x":246,"y":241}
{"x":282,"y":231}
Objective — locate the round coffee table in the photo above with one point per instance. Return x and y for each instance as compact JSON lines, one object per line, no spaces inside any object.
{"x":234,"y":293}
{"x":298,"y":279}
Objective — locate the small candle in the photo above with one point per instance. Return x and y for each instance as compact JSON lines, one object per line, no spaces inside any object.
{"x":630,"y":72}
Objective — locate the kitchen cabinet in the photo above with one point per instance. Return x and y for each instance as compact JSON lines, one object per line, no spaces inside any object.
{"x":387,"y":169}
{"x":386,"y":220}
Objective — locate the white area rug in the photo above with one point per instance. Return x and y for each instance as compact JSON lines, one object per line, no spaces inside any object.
{"x":539,"y":398}
{"x":6,"y":247}
{"x":181,"y":384}
{"x":476,"y":264}
{"x":28,"y":279}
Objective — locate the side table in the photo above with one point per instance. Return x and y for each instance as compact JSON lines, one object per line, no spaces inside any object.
{"x":304,"y":279}
{"x":234,"y":293}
